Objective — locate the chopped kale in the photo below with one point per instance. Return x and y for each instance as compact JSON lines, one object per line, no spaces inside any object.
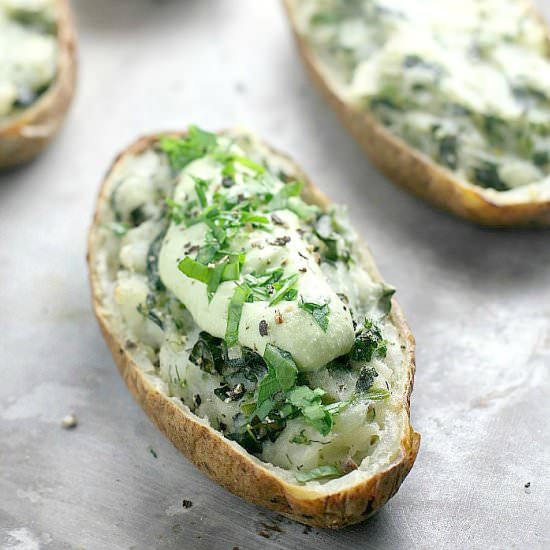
{"x":207,"y":353}
{"x":369,"y":343}
{"x":309,"y":403}
{"x":447,"y":149}
{"x":151,"y":263}
{"x":366,"y":379}
{"x":149,"y":310}
{"x":138,"y":216}
{"x":335,"y":248}
{"x":384,"y":302}
{"x":541,"y":158}
{"x":486,"y":175}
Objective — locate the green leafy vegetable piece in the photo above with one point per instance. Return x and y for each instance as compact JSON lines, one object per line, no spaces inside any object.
{"x":369,"y":343}
{"x":207,"y":353}
{"x":182,"y":151}
{"x":301,"y":438}
{"x":195,"y":270}
{"x":280,"y":199}
{"x":319,"y":312}
{"x":375,"y":394}
{"x":311,"y":407}
{"x":366,"y":379}
{"x":200,"y":189}
{"x":234,"y":312}
{"x":320,"y":472}
{"x":249,"y":163}
{"x":384,"y":302}
{"x":118,"y":228}
{"x":151,"y":263}
{"x":281,"y":377}
{"x":285,"y":291}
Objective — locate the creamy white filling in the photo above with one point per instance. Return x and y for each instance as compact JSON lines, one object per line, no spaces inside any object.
{"x":478,"y":68}
{"x":28,"y":51}
{"x":288,"y":326}
{"x":365,"y":435}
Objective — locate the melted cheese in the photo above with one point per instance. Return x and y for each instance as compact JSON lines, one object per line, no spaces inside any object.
{"x":289,"y":327}
{"x":465,"y":81}
{"x":28,"y":52}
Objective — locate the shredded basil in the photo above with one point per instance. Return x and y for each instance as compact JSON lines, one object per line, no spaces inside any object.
{"x":182,"y":151}
{"x":319,"y":312}
{"x":234,"y":314}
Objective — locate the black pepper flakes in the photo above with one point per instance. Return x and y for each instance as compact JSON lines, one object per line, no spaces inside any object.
{"x":276,"y":219}
{"x":186,"y":503}
{"x":263,"y":327}
{"x":197,"y":400}
{"x":281,"y":241}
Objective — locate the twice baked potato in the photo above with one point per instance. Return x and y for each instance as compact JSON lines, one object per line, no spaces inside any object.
{"x":37,"y":75}
{"x":450,"y":99}
{"x":252,"y":326}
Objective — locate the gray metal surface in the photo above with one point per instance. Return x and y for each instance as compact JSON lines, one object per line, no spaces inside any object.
{"x":478,"y":302}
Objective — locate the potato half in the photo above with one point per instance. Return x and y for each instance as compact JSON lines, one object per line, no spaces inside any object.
{"x":414,"y":170}
{"x":27,"y":134}
{"x":223,"y":460}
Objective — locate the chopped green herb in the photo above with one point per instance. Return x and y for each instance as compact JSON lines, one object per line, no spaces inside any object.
{"x":301,"y":438}
{"x":384,"y":302}
{"x":375,"y":394}
{"x":285,"y":292}
{"x":195,"y":270}
{"x":182,"y":151}
{"x":369,"y":343}
{"x":366,"y":379}
{"x":280,"y":199}
{"x":234,"y":314}
{"x":321,"y":472}
{"x":137,"y":216}
{"x":281,"y":374}
{"x":150,"y":314}
{"x":319,"y":312}
{"x":151,"y":262}
{"x":118,"y":228}
{"x":200,"y":189}
{"x":309,"y":403}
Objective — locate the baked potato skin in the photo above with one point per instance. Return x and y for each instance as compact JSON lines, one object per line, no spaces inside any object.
{"x":413,"y":170}
{"x":24,"y":137}
{"x":227,"y":463}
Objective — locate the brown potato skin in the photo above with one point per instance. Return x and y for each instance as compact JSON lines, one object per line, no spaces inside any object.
{"x":230,"y":465}
{"x":412,"y":169}
{"x":24,"y":137}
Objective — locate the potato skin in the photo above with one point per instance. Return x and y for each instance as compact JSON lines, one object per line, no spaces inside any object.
{"x":412,"y":169}
{"x":24,"y":137}
{"x":229,"y":464}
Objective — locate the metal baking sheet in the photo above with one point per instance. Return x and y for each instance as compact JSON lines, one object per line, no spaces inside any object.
{"x":478,"y":302}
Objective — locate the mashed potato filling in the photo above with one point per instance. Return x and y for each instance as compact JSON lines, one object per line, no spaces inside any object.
{"x":28,"y":52}
{"x":253,"y":306}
